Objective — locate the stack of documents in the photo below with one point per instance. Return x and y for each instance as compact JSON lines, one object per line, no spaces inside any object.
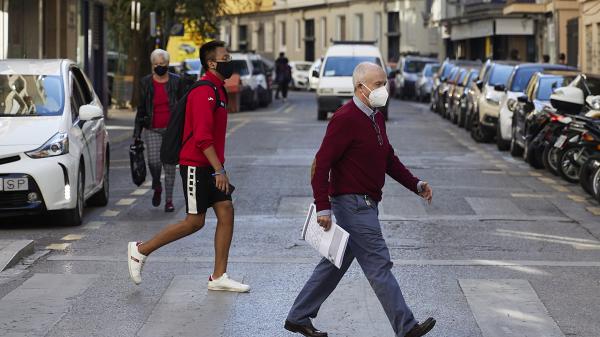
{"x":330,"y":244}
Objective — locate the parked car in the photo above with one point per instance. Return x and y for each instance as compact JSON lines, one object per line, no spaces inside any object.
{"x":445,"y":88}
{"x":517,"y":83}
{"x":424,"y":85}
{"x":530,"y":107}
{"x":261,"y":74}
{"x":461,"y":96}
{"x":335,"y":77}
{"x":407,"y":74}
{"x":54,"y":147}
{"x":454,"y":85}
{"x":300,"y":74}
{"x":313,"y":81}
{"x":439,"y":82}
{"x":474,"y":92}
{"x":483,"y":122}
{"x":249,"y":91}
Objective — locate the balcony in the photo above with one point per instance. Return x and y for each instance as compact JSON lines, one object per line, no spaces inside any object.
{"x":525,"y":7}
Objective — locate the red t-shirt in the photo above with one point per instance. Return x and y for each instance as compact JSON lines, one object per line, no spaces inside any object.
{"x":206,"y":124}
{"x":160,"y":117}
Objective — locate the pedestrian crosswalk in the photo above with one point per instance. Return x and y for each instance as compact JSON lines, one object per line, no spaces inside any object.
{"x":500,"y":307}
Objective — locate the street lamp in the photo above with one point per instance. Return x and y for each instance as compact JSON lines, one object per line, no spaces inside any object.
{"x":135,"y":15}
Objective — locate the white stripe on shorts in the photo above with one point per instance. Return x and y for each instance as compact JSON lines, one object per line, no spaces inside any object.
{"x":191,"y":191}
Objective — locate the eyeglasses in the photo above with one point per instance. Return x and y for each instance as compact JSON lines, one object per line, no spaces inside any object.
{"x":377,"y":129}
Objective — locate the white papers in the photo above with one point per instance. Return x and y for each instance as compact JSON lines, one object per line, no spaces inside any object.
{"x":331,"y":244}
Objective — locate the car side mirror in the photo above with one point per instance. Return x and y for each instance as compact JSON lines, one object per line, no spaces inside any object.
{"x":479,"y":84}
{"x":499,"y":87}
{"x":315,"y":73}
{"x":90,"y":112}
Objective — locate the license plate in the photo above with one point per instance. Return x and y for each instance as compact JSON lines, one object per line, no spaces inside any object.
{"x":560,"y":141}
{"x":14,"y":184}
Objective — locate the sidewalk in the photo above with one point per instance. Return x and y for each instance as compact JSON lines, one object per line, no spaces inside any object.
{"x":11,"y":251}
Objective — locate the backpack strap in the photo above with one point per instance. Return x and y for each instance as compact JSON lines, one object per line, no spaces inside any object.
{"x":213,"y":86}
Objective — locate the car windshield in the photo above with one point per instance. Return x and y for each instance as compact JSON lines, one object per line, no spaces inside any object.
{"x":413,"y":66}
{"x":430,"y":70}
{"x":472,"y":77}
{"x":522,"y":77}
{"x":192,"y":65}
{"x":547,"y":86}
{"x":447,"y":69}
{"x":590,"y":86}
{"x":462,"y":76}
{"x":336,"y":66}
{"x":303,"y":66}
{"x":240,"y":67}
{"x":500,"y":74}
{"x":258,"y":66}
{"x":31,"y":95}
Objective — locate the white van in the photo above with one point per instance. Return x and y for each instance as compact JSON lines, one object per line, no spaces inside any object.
{"x":335,"y":76}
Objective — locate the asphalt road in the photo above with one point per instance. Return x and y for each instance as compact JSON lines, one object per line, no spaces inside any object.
{"x":503,"y":250}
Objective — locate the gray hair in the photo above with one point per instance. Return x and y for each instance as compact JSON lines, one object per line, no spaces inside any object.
{"x":156,"y":53}
{"x":358,"y":76}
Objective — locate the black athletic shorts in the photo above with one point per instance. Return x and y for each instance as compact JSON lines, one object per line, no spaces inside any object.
{"x":201,"y":193}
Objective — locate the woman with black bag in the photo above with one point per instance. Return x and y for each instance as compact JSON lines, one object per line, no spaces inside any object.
{"x":159,"y":93}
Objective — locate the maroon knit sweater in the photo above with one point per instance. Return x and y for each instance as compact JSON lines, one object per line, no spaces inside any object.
{"x":358,"y":164}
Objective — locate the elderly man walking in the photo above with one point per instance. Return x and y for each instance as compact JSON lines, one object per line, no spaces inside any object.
{"x":349,"y":176}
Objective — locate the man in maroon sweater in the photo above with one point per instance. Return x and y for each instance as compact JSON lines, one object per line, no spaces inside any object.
{"x":349,"y":175}
{"x":205,"y":180}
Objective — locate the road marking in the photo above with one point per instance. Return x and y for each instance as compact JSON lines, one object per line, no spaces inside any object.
{"x":527,"y":195}
{"x":312,"y":260}
{"x":576,"y":198}
{"x":186,"y":308}
{"x":508,"y":308}
{"x":547,"y":180}
{"x":110,"y":213}
{"x":576,"y":243}
{"x":40,"y":302}
{"x":493,"y":172}
{"x":72,"y":237}
{"x":58,"y":246}
{"x":125,"y":202}
{"x":494,"y":206}
{"x":502,"y":166}
{"x":237,"y":127}
{"x":561,"y":188}
{"x":593,"y":210}
{"x":535,"y":174}
{"x":147,"y":183}
{"x":94,"y":224}
{"x":289,"y":109}
{"x":140,"y":191}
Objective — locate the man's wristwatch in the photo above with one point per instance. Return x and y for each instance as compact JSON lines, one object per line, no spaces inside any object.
{"x":220,"y":172}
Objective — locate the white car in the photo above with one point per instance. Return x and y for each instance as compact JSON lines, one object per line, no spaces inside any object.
{"x":249,"y":91}
{"x":300,"y":74}
{"x":54,"y":148}
{"x":488,"y":104}
{"x":313,"y":81}
{"x":335,"y":76}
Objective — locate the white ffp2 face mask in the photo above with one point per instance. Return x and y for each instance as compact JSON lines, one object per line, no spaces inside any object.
{"x":378,"y":97}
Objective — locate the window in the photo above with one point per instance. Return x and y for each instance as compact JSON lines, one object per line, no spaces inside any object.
{"x":377,"y":28}
{"x":243,"y":37}
{"x":269,"y":37}
{"x":340,"y":28}
{"x":283,"y":33}
{"x":298,"y":35}
{"x":393,"y":36}
{"x":324,"y":32}
{"x":358,"y":27}
{"x":77,"y":99}
{"x":344,"y":65}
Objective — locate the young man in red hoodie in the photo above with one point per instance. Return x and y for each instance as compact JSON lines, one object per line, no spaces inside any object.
{"x":205,"y":180}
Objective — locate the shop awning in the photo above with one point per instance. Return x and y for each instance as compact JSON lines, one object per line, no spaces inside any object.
{"x":514,"y":27}
{"x":472,"y":30}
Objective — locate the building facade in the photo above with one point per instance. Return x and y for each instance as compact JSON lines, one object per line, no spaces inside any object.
{"x":73,"y":29}
{"x":304,"y":29}
{"x":589,"y":36}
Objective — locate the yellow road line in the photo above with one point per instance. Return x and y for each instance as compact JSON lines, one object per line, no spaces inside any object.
{"x":58,"y":246}
{"x":72,"y":237}
{"x":125,"y":202}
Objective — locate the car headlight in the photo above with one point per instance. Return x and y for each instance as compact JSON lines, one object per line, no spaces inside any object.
{"x":595,"y":104}
{"x":512,"y":104}
{"x":326,"y":91}
{"x":55,"y":146}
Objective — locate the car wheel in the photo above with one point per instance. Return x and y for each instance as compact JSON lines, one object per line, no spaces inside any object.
{"x":550,"y":158}
{"x":478,"y":131}
{"x":502,"y":144}
{"x":73,"y":217}
{"x":515,"y":149}
{"x":586,"y":174}
{"x":101,"y":197}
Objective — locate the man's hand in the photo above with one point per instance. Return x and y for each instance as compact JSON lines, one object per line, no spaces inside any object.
{"x":222,"y":182}
{"x":324,"y":221}
{"x":427,"y":193}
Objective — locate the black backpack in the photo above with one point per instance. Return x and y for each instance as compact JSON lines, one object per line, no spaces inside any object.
{"x":173,"y":140}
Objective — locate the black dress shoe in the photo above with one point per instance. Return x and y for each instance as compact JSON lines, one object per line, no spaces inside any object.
{"x":307,"y":330}
{"x":421,"y":329}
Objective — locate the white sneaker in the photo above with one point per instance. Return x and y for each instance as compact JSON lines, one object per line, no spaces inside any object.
{"x":224,"y":283}
{"x":135,"y":260}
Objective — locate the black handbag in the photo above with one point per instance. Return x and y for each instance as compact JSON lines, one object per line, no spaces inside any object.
{"x":137,"y":161}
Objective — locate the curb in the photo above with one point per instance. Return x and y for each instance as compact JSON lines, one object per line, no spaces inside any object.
{"x":11,"y":252}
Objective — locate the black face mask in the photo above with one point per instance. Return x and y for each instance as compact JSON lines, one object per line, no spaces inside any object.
{"x":225,"y":69}
{"x":161,"y":70}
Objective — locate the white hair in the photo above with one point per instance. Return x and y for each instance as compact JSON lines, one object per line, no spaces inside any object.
{"x":361,"y":70}
{"x":156,"y":53}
